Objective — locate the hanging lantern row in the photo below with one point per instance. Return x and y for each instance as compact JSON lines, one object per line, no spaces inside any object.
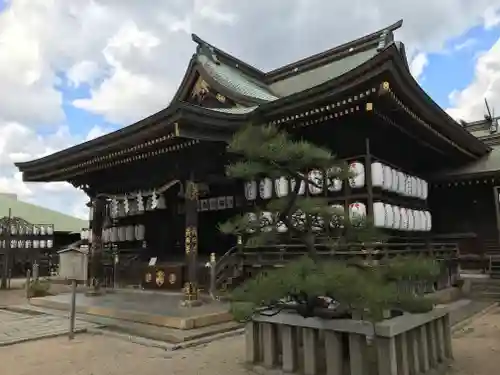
{"x":125,"y":233}
{"x":385,"y":216}
{"x":136,"y":203}
{"x":283,"y":186}
{"x":393,"y":180}
{"x":400,"y":218}
{"x":29,"y":230}
{"x":27,"y":244}
{"x":383,"y":177}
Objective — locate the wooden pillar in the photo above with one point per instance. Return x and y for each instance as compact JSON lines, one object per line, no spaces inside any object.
{"x":368,"y":181}
{"x":98,"y":205}
{"x":191,"y":241}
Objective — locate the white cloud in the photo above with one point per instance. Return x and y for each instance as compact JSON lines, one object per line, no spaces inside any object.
{"x":418,"y":64}
{"x":468,"y":104}
{"x":467,"y":44}
{"x":83,"y":72}
{"x":133,"y":54}
{"x":491,"y":18}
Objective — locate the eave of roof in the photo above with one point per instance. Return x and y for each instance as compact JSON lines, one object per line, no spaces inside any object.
{"x":485,"y":166}
{"x":212,"y":118}
{"x":436,"y":114}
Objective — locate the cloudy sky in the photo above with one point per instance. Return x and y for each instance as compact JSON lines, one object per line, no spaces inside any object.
{"x":71,"y":70}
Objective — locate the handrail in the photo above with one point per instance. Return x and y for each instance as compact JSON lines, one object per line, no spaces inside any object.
{"x":286,"y":251}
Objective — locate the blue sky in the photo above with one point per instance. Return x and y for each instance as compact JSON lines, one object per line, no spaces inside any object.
{"x":453,"y":69}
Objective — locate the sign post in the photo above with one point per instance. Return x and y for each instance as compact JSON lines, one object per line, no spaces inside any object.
{"x":72,"y":267}
{"x":72,"y":312}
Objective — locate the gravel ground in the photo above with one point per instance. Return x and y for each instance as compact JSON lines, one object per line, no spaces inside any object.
{"x":102,"y":355}
{"x":477,"y":346}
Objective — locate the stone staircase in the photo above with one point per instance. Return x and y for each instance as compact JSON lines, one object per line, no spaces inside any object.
{"x":485,"y":289}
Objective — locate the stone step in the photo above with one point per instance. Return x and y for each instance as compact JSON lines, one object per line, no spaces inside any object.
{"x":171,"y":336}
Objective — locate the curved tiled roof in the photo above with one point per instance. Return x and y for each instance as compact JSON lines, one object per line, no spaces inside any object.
{"x":234,"y":80}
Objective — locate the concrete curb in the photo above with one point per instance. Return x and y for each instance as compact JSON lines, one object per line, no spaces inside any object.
{"x":134,"y":339}
{"x":42,"y":337}
{"x":462,"y":324}
{"x":208,"y":339}
{"x":163,"y":345}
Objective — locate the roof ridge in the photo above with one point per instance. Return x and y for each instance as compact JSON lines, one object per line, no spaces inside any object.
{"x":240,"y":64}
{"x":381,"y":37}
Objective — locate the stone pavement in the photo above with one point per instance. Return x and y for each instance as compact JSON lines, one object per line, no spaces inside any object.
{"x":16,"y":328}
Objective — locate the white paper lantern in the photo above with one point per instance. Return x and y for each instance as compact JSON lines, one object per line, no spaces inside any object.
{"x":357,"y":172}
{"x":317,"y":223}
{"x":298,"y":220}
{"x":401,"y":183}
{"x":414,"y":186}
{"x":407,"y":192}
{"x":387,"y":178}
{"x":266,"y":188}
{"x":50,"y":244}
{"x":404,"y":219}
{"x":338,"y":217}
{"x":357,"y":212}
{"x":425,"y":190}
{"x":378,"y":214}
{"x":140,"y":202}
{"x":280,"y":226}
{"x":316,"y":176}
{"x":423,"y":221}
{"x":140,"y":232}
{"x":411,"y":220}
{"x":251,"y":190}
{"x":389,"y":216}
{"x":281,"y":187}
{"x":418,"y":220}
{"x":114,"y":234}
{"x":394,"y":179}
{"x":418,"y":190}
{"x":302,"y":188}
{"x":266,"y":221}
{"x":334,"y":183}
{"x":428,"y":219}
{"x":396,"y":223}
{"x":377,"y":174}
{"x":252,"y":218}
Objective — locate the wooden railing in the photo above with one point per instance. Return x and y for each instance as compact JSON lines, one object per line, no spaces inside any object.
{"x":233,"y":263}
{"x":408,"y":344}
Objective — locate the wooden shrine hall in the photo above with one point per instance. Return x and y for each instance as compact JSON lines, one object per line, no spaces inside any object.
{"x":158,"y":188}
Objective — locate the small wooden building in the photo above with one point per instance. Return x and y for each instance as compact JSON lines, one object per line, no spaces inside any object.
{"x":158,"y":188}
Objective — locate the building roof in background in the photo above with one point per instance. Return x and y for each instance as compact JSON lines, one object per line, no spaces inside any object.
{"x":39,"y":215}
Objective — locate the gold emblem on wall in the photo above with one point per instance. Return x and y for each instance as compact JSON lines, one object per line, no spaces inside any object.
{"x":148,"y":277}
{"x":191,"y":240}
{"x":172,"y":278}
{"x":160,"y":278}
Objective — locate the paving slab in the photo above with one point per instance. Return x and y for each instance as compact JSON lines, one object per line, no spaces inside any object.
{"x":155,"y":309}
{"x":16,"y":328}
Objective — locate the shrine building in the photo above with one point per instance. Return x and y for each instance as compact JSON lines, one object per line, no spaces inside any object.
{"x":158,"y":188}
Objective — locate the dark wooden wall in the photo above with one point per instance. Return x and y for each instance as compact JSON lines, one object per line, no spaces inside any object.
{"x":465,"y":209}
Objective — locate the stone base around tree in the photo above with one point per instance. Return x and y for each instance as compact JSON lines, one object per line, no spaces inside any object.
{"x":407,"y":344}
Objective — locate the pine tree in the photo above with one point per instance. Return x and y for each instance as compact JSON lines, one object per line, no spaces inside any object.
{"x":268,"y":152}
